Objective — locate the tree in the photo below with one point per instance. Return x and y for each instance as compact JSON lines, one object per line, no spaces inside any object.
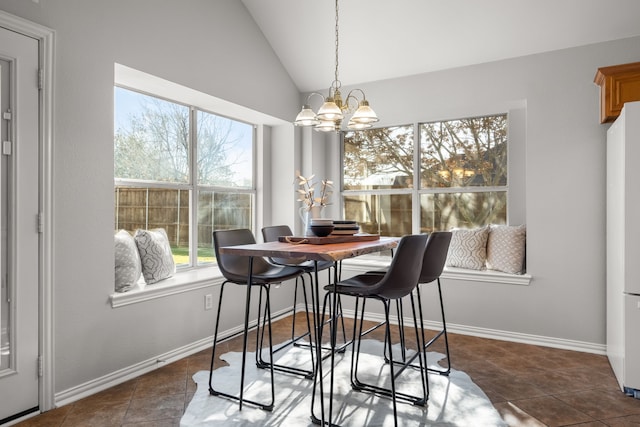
{"x":463,"y":169}
{"x":383,"y":152}
{"x":153,"y":145}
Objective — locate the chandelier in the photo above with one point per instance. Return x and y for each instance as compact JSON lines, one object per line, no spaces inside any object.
{"x":333,"y":110}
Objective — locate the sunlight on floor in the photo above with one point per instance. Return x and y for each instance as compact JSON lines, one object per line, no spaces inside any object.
{"x":515,"y":416}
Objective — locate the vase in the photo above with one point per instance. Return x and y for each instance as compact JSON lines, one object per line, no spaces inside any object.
{"x":307,"y":214}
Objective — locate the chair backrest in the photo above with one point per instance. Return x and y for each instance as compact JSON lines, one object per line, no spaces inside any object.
{"x":234,"y":267}
{"x":435,"y":256}
{"x":404,"y":271}
{"x":271,"y":234}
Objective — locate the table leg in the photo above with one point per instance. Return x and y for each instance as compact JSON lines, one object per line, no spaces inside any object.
{"x":333,"y":344}
{"x":246,"y":327}
{"x":334,"y":332}
{"x":318,"y":323}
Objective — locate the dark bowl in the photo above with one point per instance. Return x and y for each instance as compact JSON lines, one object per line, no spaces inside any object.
{"x":321,"y":230}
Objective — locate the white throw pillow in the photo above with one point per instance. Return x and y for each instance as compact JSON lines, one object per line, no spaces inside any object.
{"x":468,"y":248}
{"x":127,"y":260}
{"x":155,"y":254}
{"x":506,"y":248}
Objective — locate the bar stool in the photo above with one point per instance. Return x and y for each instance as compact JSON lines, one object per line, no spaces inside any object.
{"x":400,"y":280}
{"x":271,"y":234}
{"x":435,"y":256}
{"x":235,"y":269}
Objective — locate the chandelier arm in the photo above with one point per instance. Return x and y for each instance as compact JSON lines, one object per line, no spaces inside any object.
{"x":308,"y":101}
{"x":364,"y":97}
{"x":351,"y":97}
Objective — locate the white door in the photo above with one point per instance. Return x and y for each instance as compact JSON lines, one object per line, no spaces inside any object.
{"x":19,"y":237}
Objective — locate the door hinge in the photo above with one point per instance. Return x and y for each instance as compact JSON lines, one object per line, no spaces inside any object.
{"x":7,"y":289}
{"x":7,"y":146}
{"x":40,"y":220}
{"x":40,"y":368}
{"x":40,"y":78}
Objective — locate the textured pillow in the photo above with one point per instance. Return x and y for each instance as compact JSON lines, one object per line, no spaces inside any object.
{"x":468,"y":248}
{"x":506,"y":248}
{"x":127,"y":266}
{"x":155,"y":254}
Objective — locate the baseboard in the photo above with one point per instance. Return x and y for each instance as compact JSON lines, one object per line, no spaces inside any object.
{"x":565,"y":344}
{"x":110,"y":380}
{"x":118,"y":377}
{"x":107,"y":381}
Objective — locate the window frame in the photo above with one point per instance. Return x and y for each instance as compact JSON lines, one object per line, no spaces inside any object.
{"x":265,"y":126}
{"x":516,"y":196}
{"x":417,"y":191}
{"x":192,"y":185}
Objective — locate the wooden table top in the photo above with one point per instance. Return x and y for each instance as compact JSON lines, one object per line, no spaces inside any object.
{"x":328,"y":252}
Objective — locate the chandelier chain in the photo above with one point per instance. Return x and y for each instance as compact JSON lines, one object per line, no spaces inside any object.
{"x":337,"y":82}
{"x":335,"y":106}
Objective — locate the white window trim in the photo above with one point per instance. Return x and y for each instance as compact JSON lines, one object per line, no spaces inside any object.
{"x":363,"y":264}
{"x":182,"y":281}
{"x":490,"y":276}
{"x":417,"y":191}
{"x":200,"y":277}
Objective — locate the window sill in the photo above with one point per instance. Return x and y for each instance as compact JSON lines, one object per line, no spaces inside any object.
{"x":181,"y":282}
{"x":486,"y":276}
{"x":364,"y":264}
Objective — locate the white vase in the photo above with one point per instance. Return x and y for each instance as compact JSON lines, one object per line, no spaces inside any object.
{"x":306,"y":215}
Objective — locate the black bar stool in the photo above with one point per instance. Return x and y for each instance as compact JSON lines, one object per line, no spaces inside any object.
{"x":247,"y":271}
{"x":271,"y":234}
{"x":400,"y":280}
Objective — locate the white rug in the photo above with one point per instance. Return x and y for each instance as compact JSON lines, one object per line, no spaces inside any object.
{"x":453,"y":401}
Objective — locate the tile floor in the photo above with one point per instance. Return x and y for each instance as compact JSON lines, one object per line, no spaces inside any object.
{"x":530,"y":386}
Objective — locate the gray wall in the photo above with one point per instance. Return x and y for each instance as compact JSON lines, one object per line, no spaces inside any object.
{"x":215,"y":47}
{"x":564,"y":188}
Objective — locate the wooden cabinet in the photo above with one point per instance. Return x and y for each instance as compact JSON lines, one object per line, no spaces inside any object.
{"x":618,"y":84}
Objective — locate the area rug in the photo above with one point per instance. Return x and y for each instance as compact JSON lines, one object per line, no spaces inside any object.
{"x":454,"y":400}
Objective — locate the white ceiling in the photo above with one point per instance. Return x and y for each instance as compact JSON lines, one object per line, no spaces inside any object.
{"x":381,"y":39}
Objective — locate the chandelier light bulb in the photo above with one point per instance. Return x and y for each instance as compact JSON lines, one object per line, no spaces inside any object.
{"x":364,"y":114}
{"x":306,"y":117}
{"x":329,"y":111}
{"x":358,"y":126}
{"x":328,"y":126}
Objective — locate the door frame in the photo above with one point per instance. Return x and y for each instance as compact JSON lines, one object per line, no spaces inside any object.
{"x":45,"y":37}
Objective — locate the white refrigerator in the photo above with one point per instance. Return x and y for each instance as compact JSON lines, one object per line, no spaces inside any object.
{"x":623,"y":248}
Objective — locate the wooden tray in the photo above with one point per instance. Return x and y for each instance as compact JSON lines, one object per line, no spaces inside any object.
{"x":330,"y":239}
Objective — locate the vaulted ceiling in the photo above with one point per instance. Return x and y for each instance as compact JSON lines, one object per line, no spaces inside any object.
{"x":382,"y":39}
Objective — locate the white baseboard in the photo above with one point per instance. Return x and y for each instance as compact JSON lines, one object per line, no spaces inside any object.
{"x":565,"y":344}
{"x":118,"y":377}
{"x":107,"y":381}
{"x":110,"y":380}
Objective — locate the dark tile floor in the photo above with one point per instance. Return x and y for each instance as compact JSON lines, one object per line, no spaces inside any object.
{"x":530,"y":386}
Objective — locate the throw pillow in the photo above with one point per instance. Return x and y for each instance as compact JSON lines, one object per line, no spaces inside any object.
{"x":506,"y":248}
{"x":127,"y":261}
{"x":468,"y":248}
{"x":155,"y":254}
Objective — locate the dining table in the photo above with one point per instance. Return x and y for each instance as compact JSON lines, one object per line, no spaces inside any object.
{"x":316,"y":249}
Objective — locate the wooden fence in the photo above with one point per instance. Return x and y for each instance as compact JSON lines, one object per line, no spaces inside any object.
{"x":148,"y":208}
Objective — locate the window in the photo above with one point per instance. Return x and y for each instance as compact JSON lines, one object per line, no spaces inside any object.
{"x":462,"y":170}
{"x":183,"y":169}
